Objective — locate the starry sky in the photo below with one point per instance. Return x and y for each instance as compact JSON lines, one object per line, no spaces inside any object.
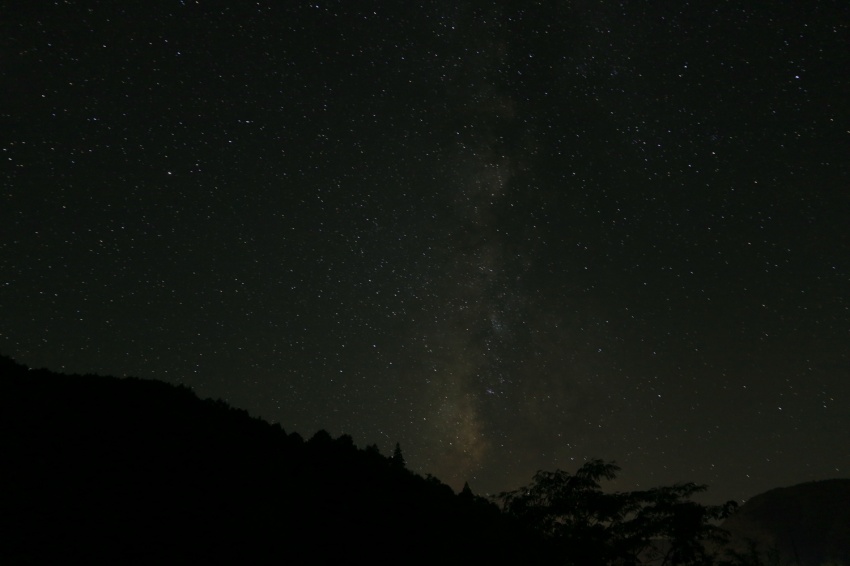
{"x":509,"y":235}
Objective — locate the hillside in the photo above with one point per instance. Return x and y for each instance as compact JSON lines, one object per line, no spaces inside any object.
{"x":104,"y":470}
{"x":100,"y":469}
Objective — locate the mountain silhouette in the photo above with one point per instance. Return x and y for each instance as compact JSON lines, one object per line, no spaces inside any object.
{"x":102,"y":470}
{"x":128,"y":471}
{"x":806,"y":524}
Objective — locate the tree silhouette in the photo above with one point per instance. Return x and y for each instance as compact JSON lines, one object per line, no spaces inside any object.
{"x":594,"y":527}
{"x":466,"y":492}
{"x":397,"y":457}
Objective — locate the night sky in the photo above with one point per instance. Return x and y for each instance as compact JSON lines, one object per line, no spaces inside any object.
{"x":508,"y":235}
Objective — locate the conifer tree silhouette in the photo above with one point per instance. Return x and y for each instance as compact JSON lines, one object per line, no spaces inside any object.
{"x":398,"y":458}
{"x":466,"y":492}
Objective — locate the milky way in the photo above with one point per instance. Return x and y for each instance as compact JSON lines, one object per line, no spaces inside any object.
{"x":510,"y":237}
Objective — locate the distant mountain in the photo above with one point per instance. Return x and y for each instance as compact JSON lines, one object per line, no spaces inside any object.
{"x":806,"y":525}
{"x":100,"y":470}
